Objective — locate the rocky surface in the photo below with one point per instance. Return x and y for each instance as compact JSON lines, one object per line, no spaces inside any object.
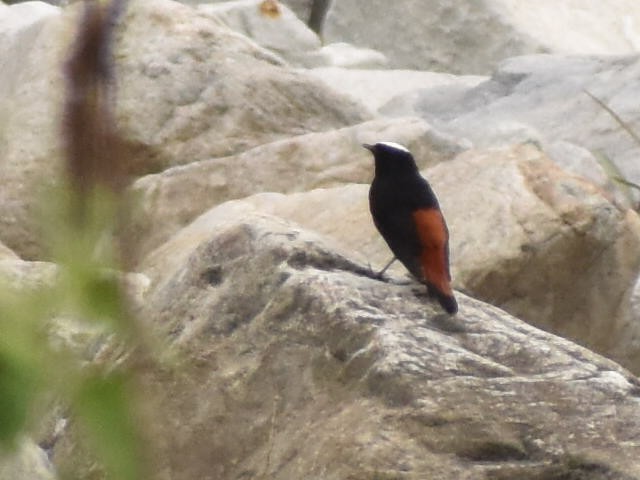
{"x":311,"y":369}
{"x":472,"y":38}
{"x":541,"y":98}
{"x":344,"y":55}
{"x":207,"y":92}
{"x":257,"y":249}
{"x":311,"y":12}
{"x":275,"y":27}
{"x":557,"y":253}
{"x":171,"y":199}
{"x":282,"y":31}
{"x":221,"y":93}
{"x":19,"y":25}
{"x":377,"y":88}
{"x":551,"y":235}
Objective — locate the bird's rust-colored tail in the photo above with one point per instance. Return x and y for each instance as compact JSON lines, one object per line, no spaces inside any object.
{"x":434,"y":257}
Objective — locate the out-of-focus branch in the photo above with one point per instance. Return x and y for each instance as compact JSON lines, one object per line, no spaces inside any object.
{"x":94,"y":150}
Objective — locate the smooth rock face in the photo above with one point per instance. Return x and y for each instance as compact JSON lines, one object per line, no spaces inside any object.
{"x":345,"y":55}
{"x":525,"y":235}
{"x":28,"y":135}
{"x":302,"y":8}
{"x":544,"y":245}
{"x":282,"y":33}
{"x":376,"y":88}
{"x":298,"y":365}
{"x":286,"y":35}
{"x":546,"y":96}
{"x":169,"y":200}
{"x":472,"y":37}
{"x":188,"y":89}
{"x":19,"y":25}
{"x":210,"y":92}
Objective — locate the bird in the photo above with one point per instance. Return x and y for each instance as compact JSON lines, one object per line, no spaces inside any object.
{"x":407,"y":214}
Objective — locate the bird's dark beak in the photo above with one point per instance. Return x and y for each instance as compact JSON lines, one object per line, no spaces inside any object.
{"x":368,"y":146}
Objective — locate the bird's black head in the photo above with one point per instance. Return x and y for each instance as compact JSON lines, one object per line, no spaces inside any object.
{"x":392,"y":158}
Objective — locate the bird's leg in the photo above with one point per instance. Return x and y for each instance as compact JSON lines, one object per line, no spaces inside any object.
{"x":381,"y":272}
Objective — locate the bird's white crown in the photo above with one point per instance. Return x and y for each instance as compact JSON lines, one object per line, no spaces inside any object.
{"x":395,"y":146}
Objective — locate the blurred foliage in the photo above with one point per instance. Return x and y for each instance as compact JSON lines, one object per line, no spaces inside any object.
{"x":87,"y":289}
{"x":82,"y":224}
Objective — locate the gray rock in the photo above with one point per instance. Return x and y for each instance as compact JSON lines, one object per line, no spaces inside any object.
{"x":543,"y":244}
{"x":289,"y":37}
{"x":472,"y":37}
{"x":545,"y":94}
{"x":377,"y":88}
{"x":311,"y":12}
{"x":345,"y":55}
{"x":19,"y":25}
{"x":188,"y":89}
{"x":285,"y":34}
{"x":27,"y":106}
{"x":218,"y":106}
{"x":298,"y":365}
{"x":580,"y":161}
{"x":173,"y":198}
{"x":525,"y":235}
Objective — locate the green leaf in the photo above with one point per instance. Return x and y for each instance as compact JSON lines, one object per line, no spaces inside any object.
{"x":104,"y":407}
{"x":100,"y":296}
{"x":17,"y":385}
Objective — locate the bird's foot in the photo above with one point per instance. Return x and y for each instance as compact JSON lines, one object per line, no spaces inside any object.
{"x":377,"y":275}
{"x":421,"y":292}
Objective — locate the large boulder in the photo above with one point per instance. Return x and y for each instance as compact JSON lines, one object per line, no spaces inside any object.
{"x":540,"y":98}
{"x":188,"y":89}
{"x":278,"y":30}
{"x":274,"y":26}
{"x":377,"y":88}
{"x":297,"y":364}
{"x":19,"y":26}
{"x":311,"y":12}
{"x":171,"y":199}
{"x":194,"y":89}
{"x":472,"y":37}
{"x":345,"y":55}
{"x":545,"y":245}
{"x":527,"y":236}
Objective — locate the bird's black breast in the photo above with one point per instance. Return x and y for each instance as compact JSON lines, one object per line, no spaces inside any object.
{"x":392,"y":201}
